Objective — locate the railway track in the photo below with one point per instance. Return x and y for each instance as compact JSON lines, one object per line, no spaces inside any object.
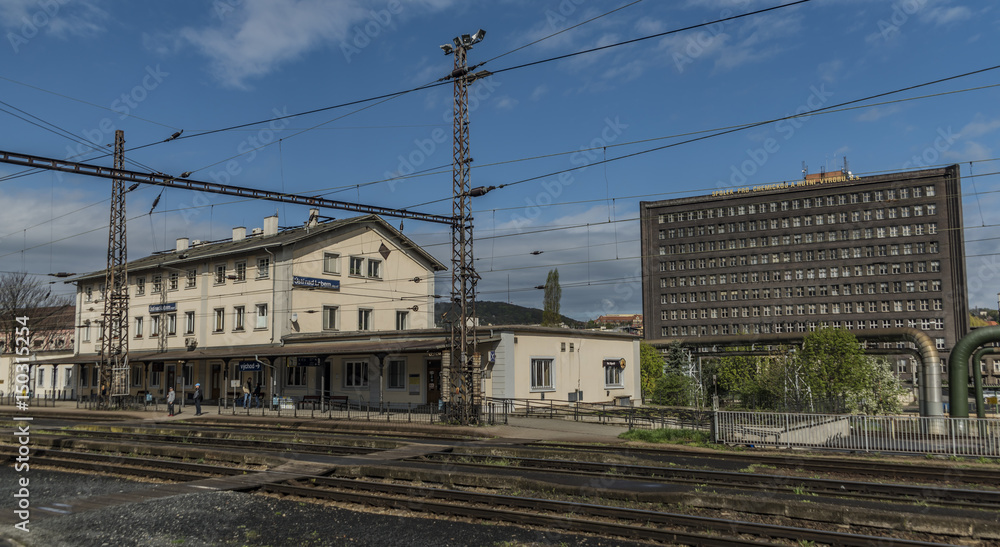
{"x":965,"y":498}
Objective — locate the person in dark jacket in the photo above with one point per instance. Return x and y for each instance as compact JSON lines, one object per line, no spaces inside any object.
{"x":257,"y":395}
{"x":198,"y":397}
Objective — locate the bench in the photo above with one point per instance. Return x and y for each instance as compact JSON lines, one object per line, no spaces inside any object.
{"x":308,"y":401}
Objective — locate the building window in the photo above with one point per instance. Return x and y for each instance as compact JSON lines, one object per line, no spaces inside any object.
{"x":263,"y":267}
{"x":397,"y":374}
{"x":136,"y":376}
{"x":541,"y":375}
{"x":356,"y":374}
{"x":220,"y":274}
{"x":330,"y":317}
{"x":173,"y":281}
{"x":402,"y":320}
{"x":189,"y":322}
{"x":261,"y":316}
{"x":171,"y":324}
{"x":157,"y":284}
{"x":297,"y":375}
{"x":187,"y":372}
{"x":220,"y":319}
{"x":241,"y":270}
{"x":364,"y":319}
{"x":154,"y":325}
{"x":357,"y":266}
{"x":138,"y":327}
{"x":239,"y":314}
{"x":192,"y":279}
{"x":140,"y":286}
{"x":85,"y":335}
{"x":612,"y":377}
{"x":374,"y":269}
{"x":331,"y":263}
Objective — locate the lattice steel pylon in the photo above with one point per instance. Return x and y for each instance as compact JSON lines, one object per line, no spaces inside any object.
{"x":114,"y":331}
{"x":464,"y":377}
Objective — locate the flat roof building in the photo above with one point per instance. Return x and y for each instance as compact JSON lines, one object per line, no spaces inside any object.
{"x":859,"y":253}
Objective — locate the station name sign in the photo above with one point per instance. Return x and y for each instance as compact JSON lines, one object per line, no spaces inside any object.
{"x":307,"y":361}
{"x":160,"y":308}
{"x":316,"y":283}
{"x":782,"y":186}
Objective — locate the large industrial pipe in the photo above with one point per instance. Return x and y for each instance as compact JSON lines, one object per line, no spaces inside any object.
{"x":958,"y":378}
{"x":929,"y":373}
{"x":977,"y":378}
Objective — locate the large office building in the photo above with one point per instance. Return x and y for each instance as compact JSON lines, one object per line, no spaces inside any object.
{"x":833,"y":249}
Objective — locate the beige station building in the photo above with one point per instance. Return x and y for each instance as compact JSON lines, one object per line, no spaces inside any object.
{"x":327,"y":308}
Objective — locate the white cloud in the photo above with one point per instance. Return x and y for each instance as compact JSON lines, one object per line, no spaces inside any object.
{"x":259,"y":36}
{"x":505,"y":102}
{"x":943,"y":15}
{"x":539,"y":92}
{"x":25,"y":19}
{"x":979,"y":127}
{"x":877,"y":113}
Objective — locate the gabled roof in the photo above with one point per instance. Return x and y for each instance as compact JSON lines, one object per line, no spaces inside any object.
{"x":255,"y":242}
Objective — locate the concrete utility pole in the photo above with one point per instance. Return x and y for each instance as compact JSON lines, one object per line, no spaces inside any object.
{"x":463,"y":371}
{"x":114,"y":330}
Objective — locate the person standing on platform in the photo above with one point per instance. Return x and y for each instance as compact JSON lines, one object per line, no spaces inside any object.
{"x":258,"y":396}
{"x":171,"y":396}
{"x":197,"y":399}
{"x":246,"y":395}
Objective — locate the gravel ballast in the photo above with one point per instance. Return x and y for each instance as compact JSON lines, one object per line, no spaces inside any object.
{"x":233,"y":518}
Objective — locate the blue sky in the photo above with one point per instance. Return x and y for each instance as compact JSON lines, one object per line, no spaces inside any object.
{"x":150,"y":69}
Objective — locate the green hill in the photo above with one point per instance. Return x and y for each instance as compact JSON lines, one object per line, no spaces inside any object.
{"x":501,"y":313}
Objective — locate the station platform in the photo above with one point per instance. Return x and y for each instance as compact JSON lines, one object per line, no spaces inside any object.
{"x":526,"y":429}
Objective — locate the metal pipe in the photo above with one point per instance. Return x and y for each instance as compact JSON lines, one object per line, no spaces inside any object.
{"x":977,"y":378}
{"x":958,"y":379}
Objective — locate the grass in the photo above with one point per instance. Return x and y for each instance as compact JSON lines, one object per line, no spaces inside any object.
{"x":670,"y":436}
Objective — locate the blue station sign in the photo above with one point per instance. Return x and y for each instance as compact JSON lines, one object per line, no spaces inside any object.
{"x":250,"y":366}
{"x":316,"y":283}
{"x":161,"y":308}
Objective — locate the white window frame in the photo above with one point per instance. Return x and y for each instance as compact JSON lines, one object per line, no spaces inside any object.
{"x":219,"y":324}
{"x":542,"y":374}
{"x":264,"y":267}
{"x":331,"y":317}
{"x":192,"y":278}
{"x":395,"y":379}
{"x":331,"y":263}
{"x":261,"y":317}
{"x":239,"y":318}
{"x":402,"y":319}
{"x":189,"y":322}
{"x":613,"y":378}
{"x":138,"y":327}
{"x":365,"y":319}
{"x":356,"y":374}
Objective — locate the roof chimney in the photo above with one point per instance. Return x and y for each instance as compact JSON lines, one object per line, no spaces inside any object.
{"x":270,"y":225}
{"x":182,"y":244}
{"x":239,"y":233}
{"x":313,"y":218}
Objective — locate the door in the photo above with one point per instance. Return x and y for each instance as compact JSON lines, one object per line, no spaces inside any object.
{"x":216,"y":380}
{"x":433,"y":382}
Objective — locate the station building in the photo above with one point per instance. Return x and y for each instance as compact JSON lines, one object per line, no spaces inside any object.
{"x":336,"y":308}
{"x":830,"y":250}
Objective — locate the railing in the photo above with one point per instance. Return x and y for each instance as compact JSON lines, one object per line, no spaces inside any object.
{"x":33,"y":400}
{"x":604,"y":413}
{"x":973,"y":437}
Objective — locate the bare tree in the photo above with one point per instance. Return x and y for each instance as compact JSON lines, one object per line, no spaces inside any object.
{"x":23,"y":295}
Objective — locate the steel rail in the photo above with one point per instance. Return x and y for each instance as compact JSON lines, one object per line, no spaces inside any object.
{"x":989,"y":499}
{"x":221,"y":443}
{"x":419,"y":499}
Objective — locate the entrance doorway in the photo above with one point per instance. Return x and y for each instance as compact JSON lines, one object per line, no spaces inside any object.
{"x":433,"y":382}
{"x":216,"y":380}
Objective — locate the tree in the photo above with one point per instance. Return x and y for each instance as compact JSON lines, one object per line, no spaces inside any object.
{"x":22,"y":295}
{"x":676,"y":360}
{"x":651,"y":368}
{"x":553,"y":293}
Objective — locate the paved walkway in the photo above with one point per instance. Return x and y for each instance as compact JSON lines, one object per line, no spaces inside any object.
{"x":528,"y":429}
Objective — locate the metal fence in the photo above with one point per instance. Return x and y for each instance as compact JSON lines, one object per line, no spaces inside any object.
{"x":603,"y":413}
{"x":974,"y":437}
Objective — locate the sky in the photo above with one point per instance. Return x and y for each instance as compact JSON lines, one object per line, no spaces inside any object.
{"x":573,"y":144}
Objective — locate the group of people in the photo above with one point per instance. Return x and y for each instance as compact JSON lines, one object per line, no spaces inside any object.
{"x":198,"y":397}
{"x":252,"y":398}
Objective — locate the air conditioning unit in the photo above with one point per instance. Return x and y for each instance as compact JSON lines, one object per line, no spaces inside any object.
{"x":190,"y":343}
